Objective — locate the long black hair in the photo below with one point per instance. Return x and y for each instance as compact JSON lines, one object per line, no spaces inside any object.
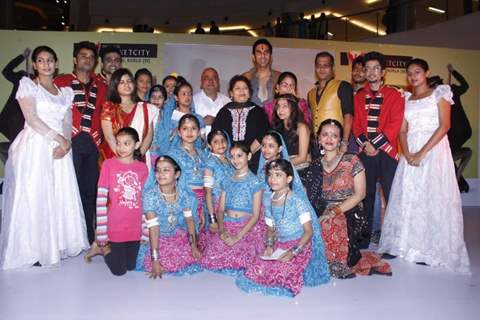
{"x":112,"y":93}
{"x":41,"y":49}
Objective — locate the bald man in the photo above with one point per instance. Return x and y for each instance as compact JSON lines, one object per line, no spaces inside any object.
{"x":209,"y":100}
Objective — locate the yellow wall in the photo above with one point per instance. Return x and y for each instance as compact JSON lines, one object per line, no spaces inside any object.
{"x":466,"y":61}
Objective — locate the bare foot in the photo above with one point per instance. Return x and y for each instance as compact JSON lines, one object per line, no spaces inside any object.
{"x":94,"y":251}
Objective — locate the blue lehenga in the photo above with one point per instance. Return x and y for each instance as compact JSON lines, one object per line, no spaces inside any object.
{"x":174,"y":248}
{"x":316,"y":272}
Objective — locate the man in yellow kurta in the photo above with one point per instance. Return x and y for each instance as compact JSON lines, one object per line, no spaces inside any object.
{"x":330,"y":98}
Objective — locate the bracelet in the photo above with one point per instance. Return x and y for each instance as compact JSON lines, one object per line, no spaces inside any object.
{"x":208,"y":181}
{"x":270,"y":242}
{"x":155,"y":255}
{"x":191,"y":239}
{"x":336,"y":210}
{"x":296,"y":250}
{"x":150,"y":223}
{"x":212,"y":218}
{"x":344,"y":142}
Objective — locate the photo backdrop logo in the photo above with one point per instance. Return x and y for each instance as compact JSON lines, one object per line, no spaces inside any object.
{"x":394,"y":63}
{"x":133,"y":52}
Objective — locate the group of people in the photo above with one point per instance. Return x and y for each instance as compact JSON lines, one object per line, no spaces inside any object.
{"x":272,"y":189}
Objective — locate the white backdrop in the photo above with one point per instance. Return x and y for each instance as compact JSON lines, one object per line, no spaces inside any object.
{"x":189,"y":60}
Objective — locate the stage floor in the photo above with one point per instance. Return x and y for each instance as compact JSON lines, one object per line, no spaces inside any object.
{"x":80,"y":291}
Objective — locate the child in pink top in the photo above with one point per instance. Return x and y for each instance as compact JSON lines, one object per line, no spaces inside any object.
{"x":119,"y":205}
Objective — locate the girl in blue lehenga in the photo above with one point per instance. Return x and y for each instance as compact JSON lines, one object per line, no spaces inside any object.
{"x":169,"y":207}
{"x":240,"y":227}
{"x":165,"y":134}
{"x":293,"y":227}
{"x":217,"y":169}
{"x":192,"y":159}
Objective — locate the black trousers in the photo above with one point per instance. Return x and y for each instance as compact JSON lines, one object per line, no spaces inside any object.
{"x":379,"y":168}
{"x":85,"y":160}
{"x":122,"y":257}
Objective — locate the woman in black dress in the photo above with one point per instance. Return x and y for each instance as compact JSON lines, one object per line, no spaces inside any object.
{"x":242,"y":119}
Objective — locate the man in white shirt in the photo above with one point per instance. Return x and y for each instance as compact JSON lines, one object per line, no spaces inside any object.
{"x":209,"y":100}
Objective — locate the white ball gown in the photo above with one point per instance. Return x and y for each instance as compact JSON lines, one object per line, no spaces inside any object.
{"x":42,"y":215}
{"x":423,"y":220}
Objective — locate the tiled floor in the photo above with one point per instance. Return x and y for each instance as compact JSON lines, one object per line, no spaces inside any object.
{"x":80,"y":291}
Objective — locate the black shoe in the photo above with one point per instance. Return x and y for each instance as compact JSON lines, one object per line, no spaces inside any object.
{"x":388,"y":256}
{"x":375,"y":271}
{"x":463,"y":186}
{"x":421,"y":263}
{"x":37,"y":264}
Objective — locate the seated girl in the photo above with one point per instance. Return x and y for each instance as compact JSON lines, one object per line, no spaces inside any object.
{"x":240,"y":234}
{"x":169,"y":208}
{"x":294,"y":254}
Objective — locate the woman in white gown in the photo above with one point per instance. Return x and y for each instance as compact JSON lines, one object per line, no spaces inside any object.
{"x":42,"y":215}
{"x":424,"y":222}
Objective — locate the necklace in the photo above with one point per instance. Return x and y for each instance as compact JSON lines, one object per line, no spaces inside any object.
{"x":241,"y":175}
{"x":168,"y":194}
{"x":279,"y":198}
{"x":284,"y":197}
{"x":171,"y":218}
{"x":195,"y":158}
{"x":332,"y":162}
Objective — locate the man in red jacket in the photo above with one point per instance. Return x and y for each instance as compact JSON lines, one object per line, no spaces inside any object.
{"x":90,"y":93}
{"x":378,"y":116}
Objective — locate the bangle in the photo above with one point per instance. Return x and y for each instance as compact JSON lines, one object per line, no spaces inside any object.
{"x":344,"y":143}
{"x":150,"y":223}
{"x":270,"y":242}
{"x":155,"y":255}
{"x":336,"y":210}
{"x":296,"y":250}
{"x":212,"y":218}
{"x":191,"y":239}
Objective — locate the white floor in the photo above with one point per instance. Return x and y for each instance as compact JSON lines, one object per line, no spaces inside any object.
{"x":80,"y":291}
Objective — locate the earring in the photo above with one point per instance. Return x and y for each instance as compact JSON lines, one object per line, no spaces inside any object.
{"x":322,"y":151}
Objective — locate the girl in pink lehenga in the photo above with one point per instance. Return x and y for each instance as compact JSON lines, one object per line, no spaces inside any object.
{"x":240,"y":233}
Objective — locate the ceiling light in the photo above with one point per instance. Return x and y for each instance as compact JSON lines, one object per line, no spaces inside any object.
{"x":436,"y":10}
{"x":114,"y":30}
{"x":372,"y":1}
{"x":122,"y":30}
